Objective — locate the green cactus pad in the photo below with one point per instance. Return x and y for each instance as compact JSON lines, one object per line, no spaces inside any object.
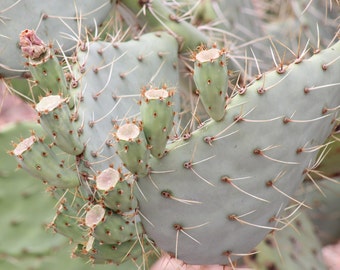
{"x":107,"y":81}
{"x":110,"y":228}
{"x":40,"y":160}
{"x":68,"y":220}
{"x":329,"y":166}
{"x":69,"y":226}
{"x":116,"y":193}
{"x":60,"y":124}
{"x":217,"y":193}
{"x":325,"y":212}
{"x":211,"y":78}
{"x":25,"y":89}
{"x":132,"y":148}
{"x":59,"y":258}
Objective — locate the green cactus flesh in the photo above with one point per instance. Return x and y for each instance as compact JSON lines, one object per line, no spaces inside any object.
{"x":217,"y":193}
{"x":100,"y":253}
{"x":329,"y":167}
{"x":68,"y":220}
{"x":41,"y":161}
{"x":325,"y":212}
{"x":110,"y":228}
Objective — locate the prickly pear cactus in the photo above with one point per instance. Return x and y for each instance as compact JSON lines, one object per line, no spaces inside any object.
{"x":133,"y":177}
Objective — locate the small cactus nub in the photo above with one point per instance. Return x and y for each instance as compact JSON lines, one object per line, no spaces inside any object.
{"x":211,"y":79}
{"x":157,"y":116}
{"x":132,"y":148}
